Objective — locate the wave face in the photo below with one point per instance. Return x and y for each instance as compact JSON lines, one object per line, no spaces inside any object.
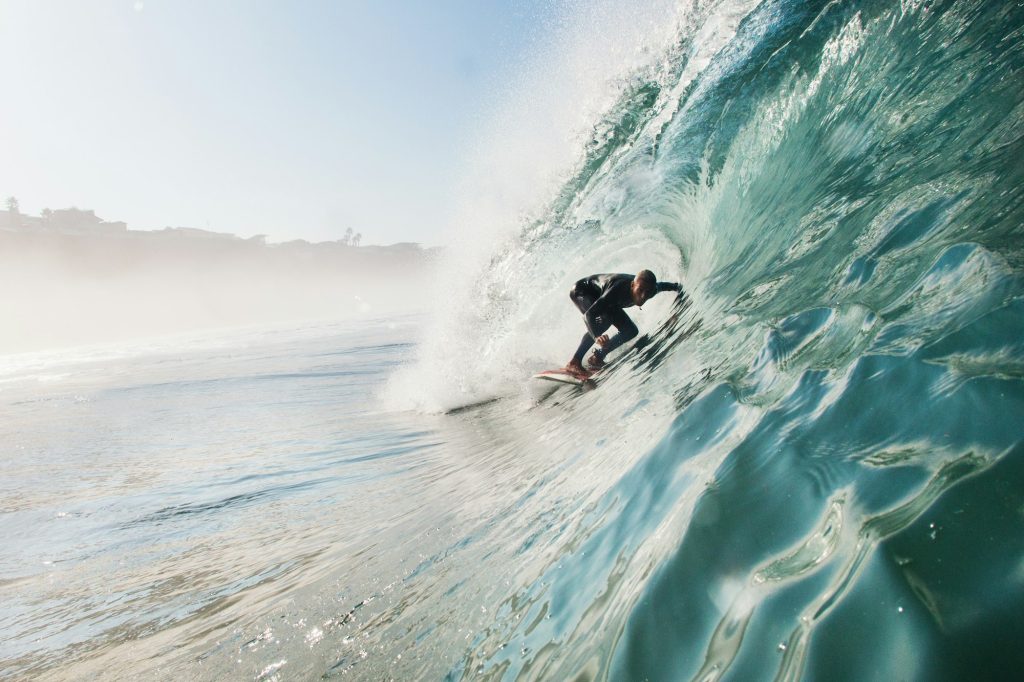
{"x":812,"y":466}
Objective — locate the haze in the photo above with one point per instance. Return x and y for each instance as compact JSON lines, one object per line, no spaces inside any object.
{"x":259,"y":124}
{"x":270,"y":121}
{"x":70,"y":279}
{"x":294,"y":120}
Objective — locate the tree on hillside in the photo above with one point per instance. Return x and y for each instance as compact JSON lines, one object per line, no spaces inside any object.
{"x":356,"y":239}
{"x":347,"y":239}
{"x":13,"y":214}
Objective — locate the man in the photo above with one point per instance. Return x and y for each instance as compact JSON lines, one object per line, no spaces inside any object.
{"x":601,"y":299}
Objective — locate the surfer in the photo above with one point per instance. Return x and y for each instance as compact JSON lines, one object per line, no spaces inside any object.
{"x":601,"y":299}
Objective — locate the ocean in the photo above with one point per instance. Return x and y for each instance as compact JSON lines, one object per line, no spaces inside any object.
{"x":809,"y":466}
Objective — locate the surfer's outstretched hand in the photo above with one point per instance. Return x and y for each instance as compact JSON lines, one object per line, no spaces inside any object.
{"x":601,"y":340}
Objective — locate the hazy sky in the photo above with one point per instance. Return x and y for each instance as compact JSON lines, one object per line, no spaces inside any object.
{"x":292,"y":119}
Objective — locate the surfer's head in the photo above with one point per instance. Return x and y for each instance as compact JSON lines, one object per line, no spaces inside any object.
{"x":643,"y":287}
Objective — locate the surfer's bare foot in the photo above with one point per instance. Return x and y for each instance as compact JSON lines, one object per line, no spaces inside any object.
{"x":575,"y":368}
{"x":595,"y":361}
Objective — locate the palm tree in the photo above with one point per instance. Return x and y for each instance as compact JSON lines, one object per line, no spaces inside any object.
{"x":358,"y":238}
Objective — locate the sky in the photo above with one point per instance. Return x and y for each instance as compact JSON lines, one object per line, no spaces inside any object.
{"x":296,"y":120}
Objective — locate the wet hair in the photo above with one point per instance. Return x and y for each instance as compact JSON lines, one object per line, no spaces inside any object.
{"x":648,"y":278}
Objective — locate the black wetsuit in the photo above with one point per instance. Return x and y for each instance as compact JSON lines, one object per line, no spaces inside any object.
{"x":601,"y":299}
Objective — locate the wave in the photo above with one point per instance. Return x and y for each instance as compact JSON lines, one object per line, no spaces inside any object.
{"x":837,"y":185}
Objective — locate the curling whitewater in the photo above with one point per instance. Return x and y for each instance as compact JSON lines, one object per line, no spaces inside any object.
{"x":809,"y":468}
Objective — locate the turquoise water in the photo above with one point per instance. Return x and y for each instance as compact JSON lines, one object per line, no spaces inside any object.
{"x":809,"y":468}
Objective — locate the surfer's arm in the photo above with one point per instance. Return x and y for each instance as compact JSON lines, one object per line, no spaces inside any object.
{"x":669,"y":286}
{"x":590,"y":318}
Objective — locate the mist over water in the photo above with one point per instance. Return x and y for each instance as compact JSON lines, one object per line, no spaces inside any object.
{"x":809,"y":467}
{"x":62,"y":288}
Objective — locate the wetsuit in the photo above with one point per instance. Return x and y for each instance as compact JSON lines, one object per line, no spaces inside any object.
{"x":601,"y":299}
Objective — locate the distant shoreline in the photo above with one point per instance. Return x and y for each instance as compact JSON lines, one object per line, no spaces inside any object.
{"x":77,"y":279}
{"x":85,"y":223}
